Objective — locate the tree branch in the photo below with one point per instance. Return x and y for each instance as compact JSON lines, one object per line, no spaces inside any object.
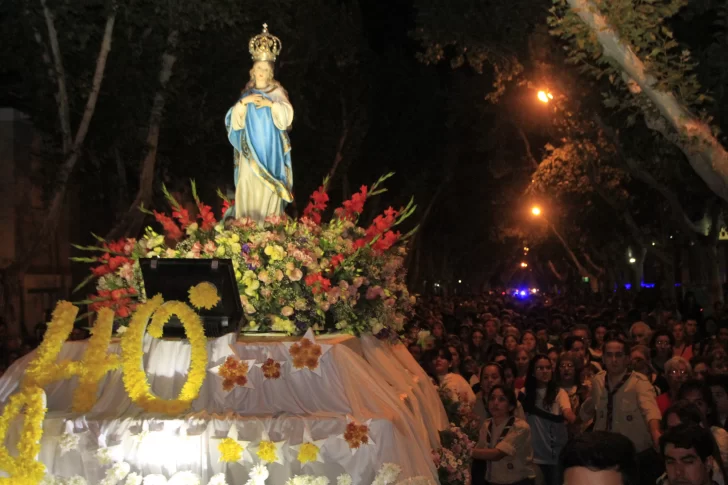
{"x":706,"y":155}
{"x":553,"y":269}
{"x":527,"y":144}
{"x":342,"y":140}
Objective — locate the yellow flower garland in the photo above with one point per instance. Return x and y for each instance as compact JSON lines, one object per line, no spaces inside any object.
{"x":134,"y":376}
{"x":230,"y":450}
{"x":24,"y":470}
{"x":267,"y":451}
{"x":96,"y":362}
{"x":204,"y":295}
{"x":44,"y":369}
{"x":308,"y":452}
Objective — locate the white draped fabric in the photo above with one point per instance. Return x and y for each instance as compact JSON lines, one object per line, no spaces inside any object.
{"x":405,"y":412}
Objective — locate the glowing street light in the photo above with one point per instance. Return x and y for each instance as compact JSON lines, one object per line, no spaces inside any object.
{"x":632,"y":260}
{"x":536,"y":210}
{"x":524,"y":264}
{"x":545,"y":97}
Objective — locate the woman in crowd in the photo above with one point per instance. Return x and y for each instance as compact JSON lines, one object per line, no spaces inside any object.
{"x":456,"y":354}
{"x":510,"y":343}
{"x":505,"y":443}
{"x":439,"y":361}
{"x":528,"y":341}
{"x":701,"y":367}
{"x":522,"y":361}
{"x":568,"y":369}
{"x":477,"y":346}
{"x":719,"y":389}
{"x":639,"y":357}
{"x":599,"y":330}
{"x":548,"y":411}
{"x":661,"y":347}
{"x":677,"y":371}
{"x":682,"y":347}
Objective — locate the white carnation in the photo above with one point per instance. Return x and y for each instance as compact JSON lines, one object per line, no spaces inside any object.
{"x":344,"y":479}
{"x":390,"y":472}
{"x":68,"y":442}
{"x":155,"y":479}
{"x":133,"y":479}
{"x":322,"y":480}
{"x":103,"y":455}
{"x":218,"y":479}
{"x":184,"y":478}
{"x":76,"y":480}
{"x":116,"y":473}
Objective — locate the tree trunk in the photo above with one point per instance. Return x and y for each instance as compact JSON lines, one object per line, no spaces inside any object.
{"x":694,"y":137}
{"x":131,"y":223}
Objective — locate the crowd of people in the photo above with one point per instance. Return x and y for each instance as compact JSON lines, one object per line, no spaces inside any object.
{"x":561,"y":389}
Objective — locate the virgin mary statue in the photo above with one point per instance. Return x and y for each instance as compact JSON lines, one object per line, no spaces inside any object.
{"x":257,"y":127}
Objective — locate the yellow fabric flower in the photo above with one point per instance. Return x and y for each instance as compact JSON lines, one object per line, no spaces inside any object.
{"x":267,"y":451}
{"x":275,"y":252}
{"x":204,"y":295}
{"x":230,"y":450}
{"x":308,"y":452}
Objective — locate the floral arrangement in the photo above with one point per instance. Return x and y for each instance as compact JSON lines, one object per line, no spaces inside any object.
{"x":271,"y":369}
{"x":267,"y":451}
{"x":234,"y":372}
{"x":305,"y":354}
{"x":454,"y":458}
{"x":308,"y":452}
{"x":292,"y":274}
{"x":132,"y":352}
{"x":356,"y":434}
{"x":230,"y":450}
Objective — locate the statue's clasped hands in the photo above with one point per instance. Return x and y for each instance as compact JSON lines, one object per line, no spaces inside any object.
{"x":258,"y":100}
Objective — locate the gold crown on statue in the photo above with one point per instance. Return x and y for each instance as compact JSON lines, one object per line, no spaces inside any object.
{"x":264,"y":46}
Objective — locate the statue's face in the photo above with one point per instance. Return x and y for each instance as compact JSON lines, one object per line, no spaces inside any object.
{"x":262,"y":73}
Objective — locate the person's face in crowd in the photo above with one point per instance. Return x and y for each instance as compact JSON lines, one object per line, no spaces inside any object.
{"x":490,"y":377}
{"x":677,"y":375}
{"x":723,"y":335}
{"x":586,"y":374}
{"x":614,"y":358}
{"x":499,"y":359}
{"x":522,"y":361}
{"x":701,"y":371}
{"x":580,"y":332}
{"x":678,"y":332}
{"x":599,"y":334}
{"x":455,"y":357}
{"x":579,"y":349}
{"x":477,"y":338}
{"x":416,"y":351}
{"x":511,"y":330}
{"x":691,"y":327}
{"x":696,"y":397}
{"x":673,"y":420}
{"x":554,"y":358}
{"x":491,"y":330}
{"x":662,"y":345}
{"x":543,"y":371}
{"x":641,"y":336}
{"x":510,"y":343}
{"x":438,"y":331}
{"x":567,"y":371}
{"x":498,"y":405}
{"x":639,"y":362}
{"x":470,"y":366}
{"x":721,"y":399}
{"x":412,"y":334}
{"x":718,"y":366}
{"x":441,"y":365}
{"x":684,"y":466}
{"x":529,"y":341}
{"x":510,"y":379}
{"x":542,"y":336}
{"x":579,"y":475}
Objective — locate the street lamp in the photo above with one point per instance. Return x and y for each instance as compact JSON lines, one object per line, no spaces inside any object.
{"x":536,"y":210}
{"x":545,"y":96}
{"x":524,"y":264}
{"x":632,"y":260}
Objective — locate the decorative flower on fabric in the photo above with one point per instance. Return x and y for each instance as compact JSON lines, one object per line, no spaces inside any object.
{"x":218,"y":479}
{"x":234,"y":371}
{"x":356,"y":434}
{"x":344,"y":479}
{"x":271,"y":369}
{"x":258,"y":475}
{"x":68,"y":441}
{"x":232,"y":449}
{"x":309,"y":451}
{"x":116,"y":473}
{"x":76,"y":480}
{"x":387,"y":474}
{"x":204,"y":295}
{"x":103,"y":455}
{"x":133,"y":479}
{"x":269,"y":451}
{"x":306,"y":353}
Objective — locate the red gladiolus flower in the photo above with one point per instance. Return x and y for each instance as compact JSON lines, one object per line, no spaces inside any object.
{"x":170,"y":227}
{"x":206,"y":216}
{"x":385,"y":242}
{"x":183,"y":216}
{"x":352,"y":208}
{"x":317,"y":283}
{"x":226,"y":204}
{"x":317,"y":205}
{"x":101,"y":270}
{"x":337,"y":260}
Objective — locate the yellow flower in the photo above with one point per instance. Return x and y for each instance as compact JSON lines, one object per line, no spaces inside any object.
{"x":204,"y":295}
{"x":251,"y":289}
{"x":275,"y":252}
{"x":249,"y":277}
{"x":308,"y":452}
{"x":235,"y":238}
{"x":286,"y":311}
{"x":264,"y":277}
{"x":230,"y":450}
{"x":267,"y":451}
{"x":283,"y":325}
{"x":220,"y":251}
